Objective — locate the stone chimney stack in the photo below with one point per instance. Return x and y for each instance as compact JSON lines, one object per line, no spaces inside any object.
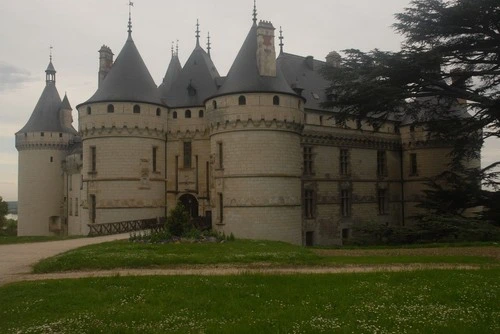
{"x":266,"y":54}
{"x":105,"y":62}
{"x":333,"y":59}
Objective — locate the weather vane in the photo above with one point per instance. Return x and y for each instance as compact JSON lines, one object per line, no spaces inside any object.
{"x":130,"y":5}
{"x":50,"y":52}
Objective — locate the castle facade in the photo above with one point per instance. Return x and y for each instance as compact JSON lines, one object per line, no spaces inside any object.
{"x":254,"y":152}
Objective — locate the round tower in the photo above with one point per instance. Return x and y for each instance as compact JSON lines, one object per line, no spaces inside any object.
{"x":42,"y":144}
{"x":123,"y":128}
{"x":255,"y":123}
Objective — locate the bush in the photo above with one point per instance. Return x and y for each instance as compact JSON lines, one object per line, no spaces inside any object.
{"x":429,"y":229}
{"x":178,"y":222}
{"x":9,"y":228}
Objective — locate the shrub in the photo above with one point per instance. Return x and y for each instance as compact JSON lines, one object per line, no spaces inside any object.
{"x":178,"y":222}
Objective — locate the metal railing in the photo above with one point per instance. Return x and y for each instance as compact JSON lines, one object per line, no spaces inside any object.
{"x":154,"y":224}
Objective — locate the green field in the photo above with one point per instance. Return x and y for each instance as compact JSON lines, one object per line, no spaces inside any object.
{"x":123,"y":254}
{"x":434,"y":301}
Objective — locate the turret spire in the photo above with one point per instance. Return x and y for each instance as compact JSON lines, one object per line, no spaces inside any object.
{"x":281,"y":41}
{"x":209,"y":45}
{"x":197,"y":33}
{"x":50,"y":72}
{"x":130,"y":5}
{"x":172,"y":48}
{"x":254,"y":12}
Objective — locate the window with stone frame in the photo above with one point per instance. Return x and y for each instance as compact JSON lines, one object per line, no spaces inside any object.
{"x":344,"y":161}
{"x":221,"y":208}
{"x":93,"y":158}
{"x":155,"y":158}
{"x":381,"y":163}
{"x":187,"y":154}
{"x":413,"y":164}
{"x":76,"y":206}
{"x":345,"y":203}
{"x":309,"y":203}
{"x":308,"y":160}
{"x":382,"y":201}
{"x":220,"y":155}
{"x":70,"y":206}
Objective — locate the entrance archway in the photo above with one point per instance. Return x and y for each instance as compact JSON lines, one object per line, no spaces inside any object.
{"x":190,"y":203}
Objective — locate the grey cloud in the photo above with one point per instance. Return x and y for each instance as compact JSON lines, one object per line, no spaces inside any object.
{"x":12,"y":77}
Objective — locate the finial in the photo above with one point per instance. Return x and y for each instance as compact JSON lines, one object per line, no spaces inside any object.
{"x":130,"y":5}
{"x":254,"y":12}
{"x":209,"y":44}
{"x":50,"y":53}
{"x":177,"y":49}
{"x":172,"y":48}
{"x":281,"y":40}
{"x":197,"y":33}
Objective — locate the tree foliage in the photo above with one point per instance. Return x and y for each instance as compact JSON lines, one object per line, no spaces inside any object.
{"x":451,"y":54}
{"x":4,"y":209}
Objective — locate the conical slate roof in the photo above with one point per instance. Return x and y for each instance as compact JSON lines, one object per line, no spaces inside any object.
{"x":50,"y":68}
{"x":244,"y":76}
{"x":65,"y":105}
{"x":128,"y":80}
{"x":173,"y":71}
{"x":196,"y":82}
{"x":47,"y":113}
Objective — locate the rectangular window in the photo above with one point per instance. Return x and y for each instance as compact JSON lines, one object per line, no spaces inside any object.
{"x":93,"y":157}
{"x":92,"y":209}
{"x":309,"y":203}
{"x":308,"y":160}
{"x":413,"y":164}
{"x":381,"y":163}
{"x":70,"y":181}
{"x":345,"y":203}
{"x":187,"y":154}
{"x":76,"y":206}
{"x":382,"y":201}
{"x":221,"y":208}
{"x":220,"y":152}
{"x":344,"y":162}
{"x":71,"y":207}
{"x":155,"y":153}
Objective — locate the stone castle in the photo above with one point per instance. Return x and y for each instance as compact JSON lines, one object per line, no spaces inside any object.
{"x":253,"y":152}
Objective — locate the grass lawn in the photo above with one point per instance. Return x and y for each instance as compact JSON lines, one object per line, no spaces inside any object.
{"x":7,"y":240}
{"x":123,"y":254}
{"x":433,"y":301}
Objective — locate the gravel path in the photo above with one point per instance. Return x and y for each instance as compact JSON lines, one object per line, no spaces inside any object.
{"x":16,"y":260}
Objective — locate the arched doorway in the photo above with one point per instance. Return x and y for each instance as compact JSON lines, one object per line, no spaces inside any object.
{"x":190,"y":203}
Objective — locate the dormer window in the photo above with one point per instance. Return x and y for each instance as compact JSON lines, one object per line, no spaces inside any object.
{"x":242,"y":100}
{"x":276,"y":100}
{"x":137,"y":109}
{"x":187,"y":114}
{"x":111,"y":108}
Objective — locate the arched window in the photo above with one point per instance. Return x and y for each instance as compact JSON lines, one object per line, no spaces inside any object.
{"x":89,"y":110}
{"x":200,"y":114}
{"x":242,"y":100}
{"x":137,"y":109}
{"x":276,"y":100}
{"x":111,"y":108}
{"x":158,"y":112}
{"x":187,"y":114}
{"x":174,"y":115}
{"x":214,"y":104}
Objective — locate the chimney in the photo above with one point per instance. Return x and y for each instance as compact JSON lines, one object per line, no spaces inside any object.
{"x":266,"y":54}
{"x":310,"y":62}
{"x":333,"y":59}
{"x":105,"y":62}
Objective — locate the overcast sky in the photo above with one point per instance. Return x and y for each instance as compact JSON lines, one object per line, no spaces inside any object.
{"x":77,"y":29}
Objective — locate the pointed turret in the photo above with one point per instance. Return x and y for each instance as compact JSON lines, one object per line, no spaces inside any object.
{"x":128,"y":79}
{"x":196,"y":81}
{"x":46,"y":115}
{"x":254,"y":69}
{"x":173,"y":71}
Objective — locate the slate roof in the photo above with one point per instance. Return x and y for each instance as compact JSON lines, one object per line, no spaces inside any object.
{"x":173,"y":71}
{"x":47,"y":113}
{"x":244,"y":76}
{"x":128,"y":80}
{"x":65,"y":105}
{"x":196,"y":82}
{"x":303,"y":73}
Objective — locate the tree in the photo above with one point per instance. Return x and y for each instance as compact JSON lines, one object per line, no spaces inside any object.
{"x":4,"y":209}
{"x":451,"y":54}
